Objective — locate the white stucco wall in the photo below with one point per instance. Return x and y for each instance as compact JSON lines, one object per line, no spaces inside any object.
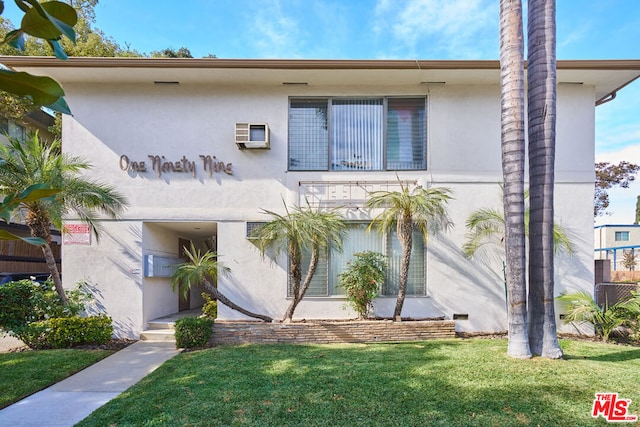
{"x":112,"y":271}
{"x":173,"y":121}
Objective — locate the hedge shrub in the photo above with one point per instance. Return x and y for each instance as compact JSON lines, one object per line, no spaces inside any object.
{"x":210,"y":306}
{"x":65,"y":332}
{"x":193,"y":331}
{"x":361,"y":280}
{"x":16,"y":306}
{"x":25,"y":301}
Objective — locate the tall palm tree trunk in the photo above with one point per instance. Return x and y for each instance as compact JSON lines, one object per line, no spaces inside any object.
{"x":513,"y":137}
{"x":55,"y":274}
{"x":541,"y":77}
{"x":39,"y":224}
{"x":296,"y":296}
{"x":216,"y":294}
{"x":405,"y":236}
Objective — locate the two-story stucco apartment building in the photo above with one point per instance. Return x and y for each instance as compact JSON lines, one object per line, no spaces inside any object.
{"x":612,"y":241}
{"x":200,"y":147}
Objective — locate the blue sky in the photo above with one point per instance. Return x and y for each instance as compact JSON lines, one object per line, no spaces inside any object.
{"x":390,"y":29}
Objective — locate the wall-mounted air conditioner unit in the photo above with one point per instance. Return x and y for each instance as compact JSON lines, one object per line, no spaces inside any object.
{"x":252,"y":135}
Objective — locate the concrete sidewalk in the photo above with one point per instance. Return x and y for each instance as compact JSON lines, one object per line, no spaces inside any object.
{"x":73,"y":399}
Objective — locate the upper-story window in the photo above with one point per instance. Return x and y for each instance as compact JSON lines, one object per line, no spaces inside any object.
{"x":622,"y":236}
{"x":347,"y":134}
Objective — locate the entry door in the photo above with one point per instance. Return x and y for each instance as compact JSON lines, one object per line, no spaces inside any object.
{"x":184,"y":303}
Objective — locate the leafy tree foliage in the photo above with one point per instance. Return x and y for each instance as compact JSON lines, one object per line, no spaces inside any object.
{"x":610,"y":175}
{"x":36,"y":162}
{"x":183,"y":52}
{"x":89,"y":41}
{"x":629,"y":260}
{"x":361,"y":280}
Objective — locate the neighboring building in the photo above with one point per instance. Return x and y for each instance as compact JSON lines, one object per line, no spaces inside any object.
{"x":612,"y":241}
{"x":36,"y":121}
{"x":18,"y":256}
{"x":201,"y":146}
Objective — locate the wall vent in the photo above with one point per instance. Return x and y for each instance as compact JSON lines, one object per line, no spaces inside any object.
{"x":252,"y":226}
{"x":252,"y":135}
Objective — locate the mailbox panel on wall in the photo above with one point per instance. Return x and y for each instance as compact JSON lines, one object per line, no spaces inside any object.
{"x":157,"y":266}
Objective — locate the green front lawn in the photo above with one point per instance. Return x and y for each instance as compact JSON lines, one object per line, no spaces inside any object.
{"x":24,"y":373}
{"x":441,"y":382}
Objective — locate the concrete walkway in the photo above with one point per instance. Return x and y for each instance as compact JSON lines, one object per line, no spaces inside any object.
{"x":73,"y":399}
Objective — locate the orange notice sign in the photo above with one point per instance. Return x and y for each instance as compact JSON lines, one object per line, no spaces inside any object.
{"x":76,"y":234}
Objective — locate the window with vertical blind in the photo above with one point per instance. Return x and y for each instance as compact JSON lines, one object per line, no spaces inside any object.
{"x":325,"y":280}
{"x":347,"y":134}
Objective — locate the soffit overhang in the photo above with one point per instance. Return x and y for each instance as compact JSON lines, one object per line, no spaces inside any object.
{"x":606,"y":76}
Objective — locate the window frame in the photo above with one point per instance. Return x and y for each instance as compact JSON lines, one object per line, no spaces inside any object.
{"x":624,"y":236}
{"x":327,"y":286}
{"x":385,"y":143}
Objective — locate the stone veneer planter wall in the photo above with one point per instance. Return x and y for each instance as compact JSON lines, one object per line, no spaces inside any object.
{"x":325,"y":332}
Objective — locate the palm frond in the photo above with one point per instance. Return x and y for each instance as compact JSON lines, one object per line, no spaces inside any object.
{"x":486,"y":226}
{"x":426,"y":208}
{"x":34,"y":161}
{"x":200,"y":266}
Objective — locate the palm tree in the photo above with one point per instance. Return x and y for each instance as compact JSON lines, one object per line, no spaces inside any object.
{"x":541,"y":95}
{"x":203,"y":269}
{"x":486,"y":226}
{"x":581,"y":308}
{"x":13,"y":201}
{"x":297,"y":232}
{"x":423,"y":209}
{"x":34,"y":161}
{"x":512,"y":143}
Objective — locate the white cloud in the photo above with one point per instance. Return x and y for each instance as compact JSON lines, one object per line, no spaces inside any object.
{"x":575,"y":36}
{"x":276,"y":32}
{"x":454,"y":28}
{"x":630,"y":154}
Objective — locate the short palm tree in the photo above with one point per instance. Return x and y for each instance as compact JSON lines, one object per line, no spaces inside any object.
{"x":581,"y":308}
{"x":486,"y":226}
{"x":34,"y":161}
{"x":203,"y":269}
{"x":13,"y":201}
{"x":294,"y":233}
{"x":421,"y":208}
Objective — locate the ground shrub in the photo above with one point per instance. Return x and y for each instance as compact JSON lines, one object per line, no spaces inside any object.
{"x":65,"y":332}
{"x":26,"y":301}
{"x":361,"y":280}
{"x":193,"y":331}
{"x":16,"y":306}
{"x":210,"y":306}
